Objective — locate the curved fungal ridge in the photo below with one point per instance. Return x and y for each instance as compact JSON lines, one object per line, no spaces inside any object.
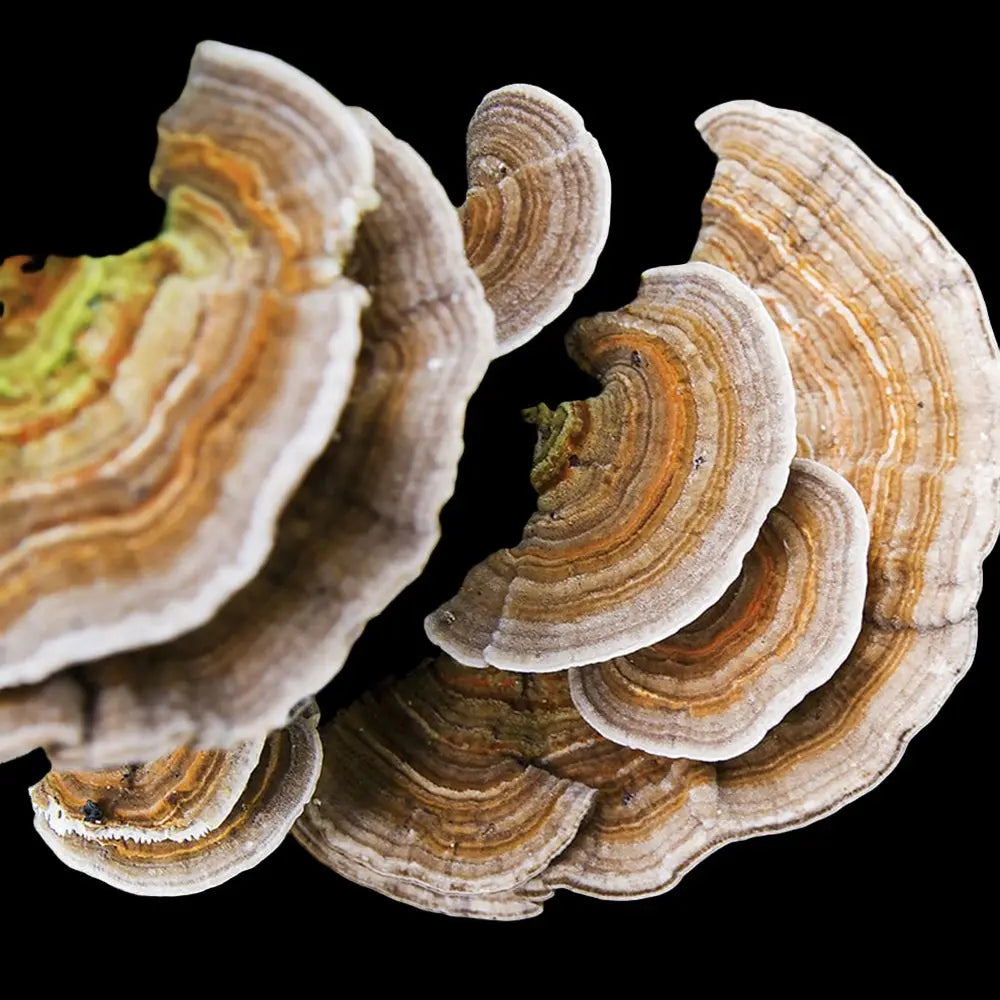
{"x":713,"y":689}
{"x":161,"y":406}
{"x":650,"y":493}
{"x":538,"y":208}
{"x":179,"y":797}
{"x":896,"y":369}
{"x":187,"y":823}
{"x":365,"y":519}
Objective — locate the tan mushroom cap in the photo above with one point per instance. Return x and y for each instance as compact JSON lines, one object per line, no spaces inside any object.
{"x":431,"y":791}
{"x":838,"y":743}
{"x":896,"y":370}
{"x":366,"y":518}
{"x":537,"y":211}
{"x":163,"y":859}
{"x":897,"y":387}
{"x":650,"y":494}
{"x":652,"y":817}
{"x":712,"y":690}
{"x":181,"y":796}
{"x":160,"y":406}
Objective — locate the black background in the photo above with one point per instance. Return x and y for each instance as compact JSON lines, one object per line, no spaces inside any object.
{"x":77,"y":134}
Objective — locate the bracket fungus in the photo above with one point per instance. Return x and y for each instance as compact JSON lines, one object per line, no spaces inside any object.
{"x":538,"y":208}
{"x":223,"y":452}
{"x":897,"y":386}
{"x":365,"y":519}
{"x":712,"y":690}
{"x":186,"y":822}
{"x":896,"y":370}
{"x":160,"y":406}
{"x":650,"y":494}
{"x":897,"y":378}
{"x":435,"y":790}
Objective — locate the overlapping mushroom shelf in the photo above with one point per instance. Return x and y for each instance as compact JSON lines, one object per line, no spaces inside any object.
{"x":682,"y":666}
{"x":750,"y":578}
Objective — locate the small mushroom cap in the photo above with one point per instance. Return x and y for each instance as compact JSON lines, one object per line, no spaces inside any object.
{"x":538,"y":208}
{"x":269,"y":803}
{"x":650,"y":494}
{"x":364,"y":521}
{"x":167,"y":401}
{"x":179,"y":797}
{"x":427,"y":784}
{"x":712,"y":690}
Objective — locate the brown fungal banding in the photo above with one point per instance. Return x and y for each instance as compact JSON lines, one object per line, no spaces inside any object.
{"x":797,"y":212}
{"x":712,"y":690}
{"x":839,"y":742}
{"x":504,"y":904}
{"x":878,"y":314}
{"x":636,"y":539}
{"x":431,"y":791}
{"x":181,"y":796}
{"x":364,"y":521}
{"x":186,"y":823}
{"x":897,"y":388}
{"x":537,"y":211}
{"x":163,"y":405}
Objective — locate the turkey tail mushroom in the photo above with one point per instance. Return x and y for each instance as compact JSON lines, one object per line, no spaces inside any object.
{"x":537,"y":211}
{"x":650,"y":494}
{"x":186,"y":822}
{"x":712,"y":690}
{"x":364,"y":521}
{"x":162,"y":405}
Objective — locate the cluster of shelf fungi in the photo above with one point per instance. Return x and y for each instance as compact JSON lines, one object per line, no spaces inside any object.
{"x":752,"y":572}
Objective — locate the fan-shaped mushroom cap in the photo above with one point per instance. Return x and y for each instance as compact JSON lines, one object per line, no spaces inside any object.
{"x":898,"y":388}
{"x":429,"y":781}
{"x":185,"y":823}
{"x":712,"y":690}
{"x":839,"y":742}
{"x":538,"y":208}
{"x":407,"y":770}
{"x":364,"y":521}
{"x":896,"y":370}
{"x":181,"y":796}
{"x":162,"y":405}
{"x":650,"y":493}
{"x":652,"y":817}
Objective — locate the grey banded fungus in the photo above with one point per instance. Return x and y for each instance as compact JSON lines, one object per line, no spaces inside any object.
{"x":184,"y":823}
{"x":649,"y":494}
{"x":712,"y":690}
{"x":161,"y":406}
{"x":365,"y":519}
{"x":538,"y":207}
